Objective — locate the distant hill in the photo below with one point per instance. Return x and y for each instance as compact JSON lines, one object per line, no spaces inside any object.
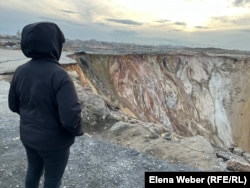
{"x":94,"y":46}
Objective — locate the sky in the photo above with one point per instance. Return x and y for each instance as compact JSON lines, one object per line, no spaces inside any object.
{"x":194,"y":23}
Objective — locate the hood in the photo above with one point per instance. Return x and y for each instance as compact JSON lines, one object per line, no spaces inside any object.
{"x":42,"y":39}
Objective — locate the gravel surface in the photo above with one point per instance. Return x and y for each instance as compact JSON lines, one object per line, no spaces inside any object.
{"x":93,"y":163}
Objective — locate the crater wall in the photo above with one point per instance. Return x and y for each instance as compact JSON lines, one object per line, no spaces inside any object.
{"x":192,"y":94}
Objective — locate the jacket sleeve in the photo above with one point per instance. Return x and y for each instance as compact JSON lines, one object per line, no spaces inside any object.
{"x":69,"y":108}
{"x":13,"y":100}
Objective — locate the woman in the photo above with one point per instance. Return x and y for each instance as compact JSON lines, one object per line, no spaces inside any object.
{"x":43,"y":94}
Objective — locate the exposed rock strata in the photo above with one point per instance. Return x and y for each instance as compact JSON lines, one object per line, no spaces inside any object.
{"x":199,"y":92}
{"x":190,"y":94}
{"x":103,"y":121}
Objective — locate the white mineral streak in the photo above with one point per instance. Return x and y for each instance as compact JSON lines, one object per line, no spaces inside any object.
{"x":220,"y":93}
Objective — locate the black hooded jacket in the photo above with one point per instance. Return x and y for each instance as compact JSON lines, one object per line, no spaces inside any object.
{"x":42,"y":92}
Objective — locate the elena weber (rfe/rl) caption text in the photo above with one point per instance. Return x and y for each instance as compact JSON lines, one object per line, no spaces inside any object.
{"x":197,"y":179}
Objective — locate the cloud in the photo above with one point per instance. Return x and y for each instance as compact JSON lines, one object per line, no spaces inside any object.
{"x":175,"y":30}
{"x":200,"y":27}
{"x":163,"y":21}
{"x":226,"y":22}
{"x":180,"y":23}
{"x":241,"y":3}
{"x":124,"y":21}
{"x":68,"y":11}
{"x":223,"y":21}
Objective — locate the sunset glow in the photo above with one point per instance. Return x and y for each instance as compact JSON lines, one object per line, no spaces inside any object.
{"x":186,"y":22}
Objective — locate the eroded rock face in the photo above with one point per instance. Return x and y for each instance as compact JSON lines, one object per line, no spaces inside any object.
{"x":107,"y":115}
{"x":190,"y":94}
